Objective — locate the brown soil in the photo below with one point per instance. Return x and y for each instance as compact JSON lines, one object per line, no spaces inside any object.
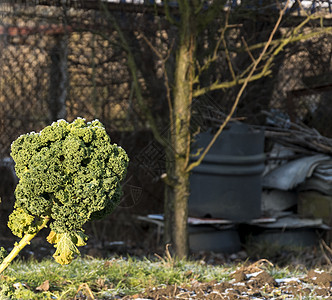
{"x":249,"y":282}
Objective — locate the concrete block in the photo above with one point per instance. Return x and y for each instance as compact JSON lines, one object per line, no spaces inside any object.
{"x":312,"y":204}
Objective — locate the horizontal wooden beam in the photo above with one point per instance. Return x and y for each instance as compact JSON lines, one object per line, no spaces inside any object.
{"x":96,"y":5}
{"x":290,"y":20}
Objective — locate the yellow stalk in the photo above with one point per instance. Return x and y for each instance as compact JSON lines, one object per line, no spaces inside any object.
{"x":23,"y":242}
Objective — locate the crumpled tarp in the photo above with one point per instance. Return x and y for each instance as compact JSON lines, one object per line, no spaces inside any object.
{"x":295,"y":172}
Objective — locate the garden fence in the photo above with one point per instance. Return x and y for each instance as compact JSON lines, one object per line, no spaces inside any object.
{"x":61,"y":62}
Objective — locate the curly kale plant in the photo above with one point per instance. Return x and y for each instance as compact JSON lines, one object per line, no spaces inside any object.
{"x":69,"y":174}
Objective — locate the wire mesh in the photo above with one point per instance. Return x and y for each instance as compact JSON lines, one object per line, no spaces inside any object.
{"x":60,"y":63}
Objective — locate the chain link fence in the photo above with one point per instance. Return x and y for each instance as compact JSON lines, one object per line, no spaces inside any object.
{"x":303,"y":85}
{"x":52,"y":70}
{"x":62,"y":63}
{"x":67,"y":62}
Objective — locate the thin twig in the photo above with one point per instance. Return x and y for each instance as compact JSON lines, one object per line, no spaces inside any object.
{"x":326,"y":247}
{"x":229,"y":61}
{"x":302,"y":8}
{"x":215,"y":56}
{"x":248,"y":50}
{"x":328,"y":260}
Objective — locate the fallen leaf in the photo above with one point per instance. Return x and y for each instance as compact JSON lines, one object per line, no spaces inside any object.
{"x":45,"y":286}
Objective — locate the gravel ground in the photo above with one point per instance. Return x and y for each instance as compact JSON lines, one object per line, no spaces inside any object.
{"x":249,"y":282}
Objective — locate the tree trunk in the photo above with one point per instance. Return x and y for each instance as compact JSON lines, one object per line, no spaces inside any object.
{"x":177,"y":190}
{"x":176,"y":209}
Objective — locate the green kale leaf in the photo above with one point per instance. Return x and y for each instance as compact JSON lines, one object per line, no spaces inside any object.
{"x":71,"y":173}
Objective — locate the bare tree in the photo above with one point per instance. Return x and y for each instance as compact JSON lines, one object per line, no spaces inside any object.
{"x":221,"y":34}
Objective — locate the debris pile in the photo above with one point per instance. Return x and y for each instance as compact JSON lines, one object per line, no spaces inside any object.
{"x":294,"y":192}
{"x":297,"y":183}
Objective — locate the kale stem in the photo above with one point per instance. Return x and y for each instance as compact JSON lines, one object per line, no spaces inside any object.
{"x":23,"y":242}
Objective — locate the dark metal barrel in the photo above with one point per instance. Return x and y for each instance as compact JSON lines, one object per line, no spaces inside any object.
{"x":227,"y":184}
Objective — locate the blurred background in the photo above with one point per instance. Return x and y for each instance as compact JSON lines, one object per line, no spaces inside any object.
{"x":63,"y":59}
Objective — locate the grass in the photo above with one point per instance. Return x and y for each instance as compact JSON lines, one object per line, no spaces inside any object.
{"x":100,"y":277}
{"x":95,"y":278}
{"x":108,"y":278}
{"x":116,"y":277}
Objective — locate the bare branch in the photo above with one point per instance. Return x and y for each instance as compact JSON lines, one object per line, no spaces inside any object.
{"x":166,"y":81}
{"x":133,"y":70}
{"x":228,"y":84}
{"x":294,"y":37}
{"x":228,"y":58}
{"x":168,"y":14}
{"x":279,"y":43}
{"x":244,"y":85}
{"x":302,"y":8}
{"x":215,"y":56}
{"x":248,"y":50}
